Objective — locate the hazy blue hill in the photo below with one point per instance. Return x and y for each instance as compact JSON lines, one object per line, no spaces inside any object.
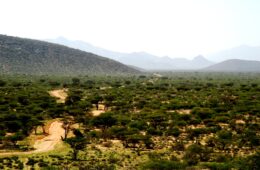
{"x":146,"y":61}
{"x":27,"y":56}
{"x":235,"y":65}
{"x":200,"y":62}
{"x":197,"y":62}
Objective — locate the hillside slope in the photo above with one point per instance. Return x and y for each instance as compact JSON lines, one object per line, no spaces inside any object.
{"x":26,"y":56}
{"x":235,"y":65}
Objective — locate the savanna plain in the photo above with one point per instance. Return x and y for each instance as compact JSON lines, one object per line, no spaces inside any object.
{"x":175,"y":120}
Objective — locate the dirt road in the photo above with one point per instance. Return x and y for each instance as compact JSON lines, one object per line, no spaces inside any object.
{"x":60,"y":94}
{"x":54,"y":137}
{"x":47,"y":143}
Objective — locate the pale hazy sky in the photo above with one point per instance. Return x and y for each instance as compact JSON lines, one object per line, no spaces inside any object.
{"x":175,"y":28}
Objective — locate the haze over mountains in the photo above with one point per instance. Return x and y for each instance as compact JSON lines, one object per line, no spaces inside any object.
{"x":148,"y":61}
{"x":27,"y":56}
{"x":138,"y":59}
{"x":243,"y":52}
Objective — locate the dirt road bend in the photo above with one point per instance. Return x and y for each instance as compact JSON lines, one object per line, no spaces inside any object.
{"x":45,"y":144}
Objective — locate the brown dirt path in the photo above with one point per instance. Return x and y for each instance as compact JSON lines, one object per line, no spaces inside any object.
{"x":47,"y":143}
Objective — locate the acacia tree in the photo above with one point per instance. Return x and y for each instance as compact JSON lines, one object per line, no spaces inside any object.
{"x":108,"y":100}
{"x":35,"y":123}
{"x":196,"y":153}
{"x":250,"y":137}
{"x":95,"y":100}
{"x":138,"y":142}
{"x":67,"y":122}
{"x":174,"y":131}
{"x":224,"y":138}
{"x":74,"y":97}
{"x":104,"y":121}
{"x":77,"y":143}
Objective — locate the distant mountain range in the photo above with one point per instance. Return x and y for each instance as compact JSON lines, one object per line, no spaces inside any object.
{"x":148,"y":61}
{"x":151,"y":62}
{"x":27,"y":56}
{"x":235,"y":65}
{"x":138,"y":59}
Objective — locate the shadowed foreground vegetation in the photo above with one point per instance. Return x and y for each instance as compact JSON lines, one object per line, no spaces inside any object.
{"x":173,"y":121}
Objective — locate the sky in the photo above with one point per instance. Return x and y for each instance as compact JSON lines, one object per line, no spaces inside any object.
{"x":174,"y":28}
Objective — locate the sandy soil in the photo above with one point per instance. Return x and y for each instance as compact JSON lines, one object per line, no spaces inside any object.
{"x":181,"y":111}
{"x":97,"y":112}
{"x":47,"y":143}
{"x":60,"y":94}
{"x":184,"y":111}
{"x":240,"y":122}
{"x":101,"y":109}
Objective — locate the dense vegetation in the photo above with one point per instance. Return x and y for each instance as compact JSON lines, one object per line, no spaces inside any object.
{"x":25,"y":56}
{"x":174,"y":121}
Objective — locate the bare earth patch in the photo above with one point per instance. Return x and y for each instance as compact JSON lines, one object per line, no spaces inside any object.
{"x":60,"y":94}
{"x":97,"y":112}
{"x":184,"y":111}
{"x":240,"y":122}
{"x":101,"y":109}
{"x":181,"y":111}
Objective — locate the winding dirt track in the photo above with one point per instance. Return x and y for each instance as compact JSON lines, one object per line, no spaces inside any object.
{"x":47,"y":143}
{"x":55,"y":130}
